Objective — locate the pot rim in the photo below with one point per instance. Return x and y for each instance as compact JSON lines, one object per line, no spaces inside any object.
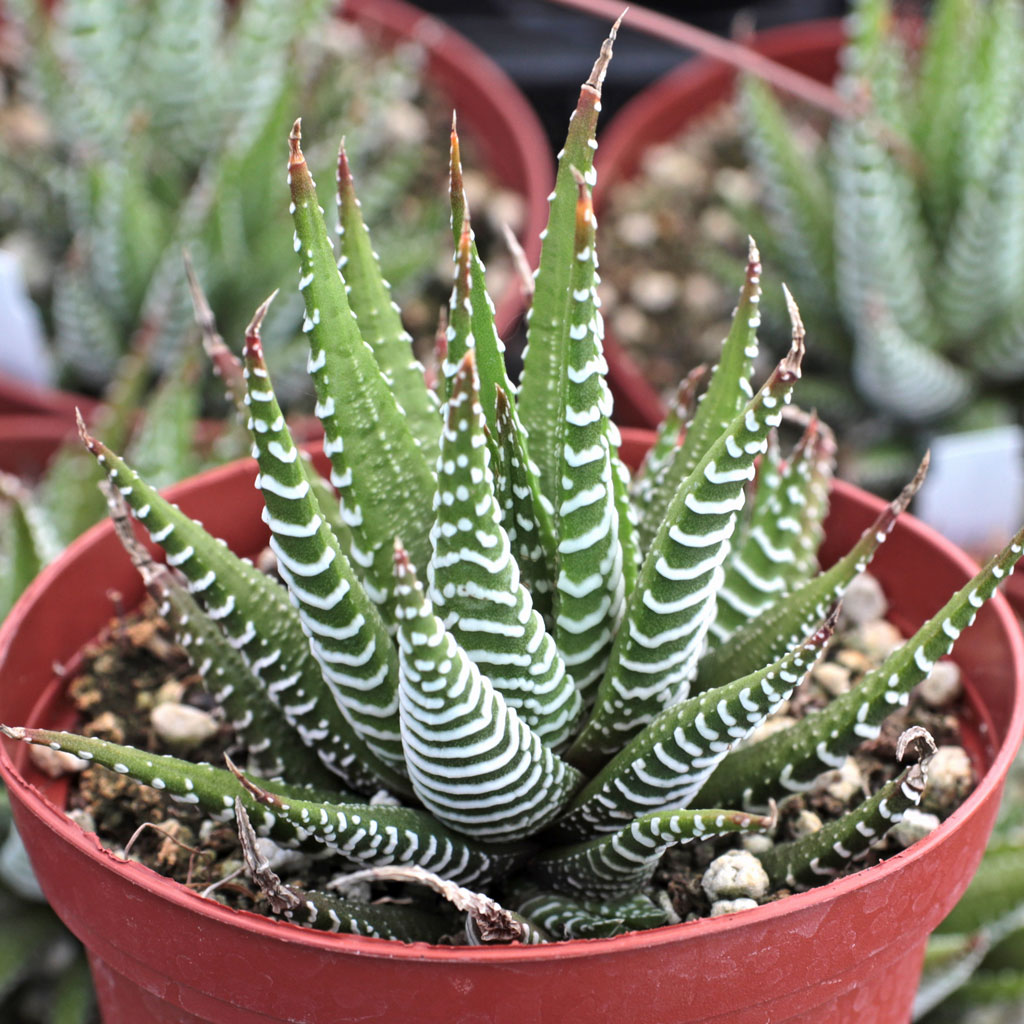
{"x":276,"y":930}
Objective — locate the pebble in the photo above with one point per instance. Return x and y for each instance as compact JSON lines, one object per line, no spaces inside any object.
{"x":832,"y":677}
{"x":914,"y":825}
{"x":183,"y":726}
{"x":56,"y":763}
{"x":942,"y":685}
{"x":757,"y":842}
{"x":864,"y":601}
{"x":805,"y":823}
{"x":720,"y":907}
{"x":637,"y":228}
{"x":655,"y":291}
{"x":736,"y":874}
{"x":877,"y":639}
{"x":950,"y":779}
{"x":846,"y":783}
{"x":777,"y":723}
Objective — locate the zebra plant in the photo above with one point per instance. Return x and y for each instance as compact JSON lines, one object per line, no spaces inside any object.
{"x":903,"y":233}
{"x":496,"y":666}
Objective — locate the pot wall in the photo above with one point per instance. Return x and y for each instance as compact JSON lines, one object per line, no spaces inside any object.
{"x":846,"y":953}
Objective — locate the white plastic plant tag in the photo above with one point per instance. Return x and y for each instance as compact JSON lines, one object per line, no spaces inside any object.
{"x":974,"y":492}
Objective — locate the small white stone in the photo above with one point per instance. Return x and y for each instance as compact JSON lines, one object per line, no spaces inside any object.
{"x":720,"y":907}
{"x":950,"y":779}
{"x":806,"y":823}
{"x":877,"y":639}
{"x":56,"y":763}
{"x":757,"y":842}
{"x":915,"y":825}
{"x":942,"y":685}
{"x":737,"y":874}
{"x":864,"y":601}
{"x":846,"y":783}
{"x":777,"y":723}
{"x":834,"y":679}
{"x":655,"y":292}
{"x":182,"y":726}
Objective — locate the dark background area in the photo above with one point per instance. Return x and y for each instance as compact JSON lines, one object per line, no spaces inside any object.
{"x":548,"y":49}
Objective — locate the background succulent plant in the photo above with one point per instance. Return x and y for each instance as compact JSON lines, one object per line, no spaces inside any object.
{"x":551,"y":678}
{"x":103,"y":186}
{"x":902,"y":233}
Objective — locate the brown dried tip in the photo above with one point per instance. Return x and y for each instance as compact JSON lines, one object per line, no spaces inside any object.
{"x":403,"y":567}
{"x":260,"y":795}
{"x":13,"y":732}
{"x":753,"y":259}
{"x":904,"y":497}
{"x":295,"y":156}
{"x":791,"y":362}
{"x":686,"y":393}
{"x":919,"y":734}
{"x":87,"y":439}
{"x":344,"y":172}
{"x":600,"y":68}
{"x":253,"y":345}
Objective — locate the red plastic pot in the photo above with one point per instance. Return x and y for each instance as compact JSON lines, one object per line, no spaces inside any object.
{"x":493,"y":113}
{"x":660,"y":113}
{"x":28,"y":441}
{"x":847,"y":953}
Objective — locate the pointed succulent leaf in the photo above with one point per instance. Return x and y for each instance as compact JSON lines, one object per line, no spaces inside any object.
{"x":379,"y":320}
{"x":363,"y":833}
{"x":623,"y":863}
{"x":898,"y":373}
{"x":346,"y":634}
{"x":474,"y":581}
{"x":273,"y":746}
{"x":490,"y":350}
{"x":544,"y":361}
{"x":525,"y":519}
{"x":328,"y":911}
{"x":819,"y":856}
{"x":656,"y":649}
{"x":382,"y":834}
{"x":472,"y":760}
{"x":256,"y":616}
{"x":667,"y":442}
{"x":781,"y":540}
{"x":790,"y":760}
{"x":566,"y":918}
{"x":226,"y":365}
{"x":766,"y":638}
{"x":590,"y":586}
{"x":797,"y":192}
{"x":459,"y":337}
{"x":383,"y":475}
{"x":666,"y":764}
{"x":727,"y":393}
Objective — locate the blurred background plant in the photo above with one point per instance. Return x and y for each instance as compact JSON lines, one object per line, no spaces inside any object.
{"x":103,"y":183}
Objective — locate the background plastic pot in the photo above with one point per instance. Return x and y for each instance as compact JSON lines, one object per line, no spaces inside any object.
{"x":846,"y":953}
{"x":660,"y":113}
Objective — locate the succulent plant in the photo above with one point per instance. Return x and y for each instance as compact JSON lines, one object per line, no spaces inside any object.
{"x":104,"y":185}
{"x":550,"y":674}
{"x":902,"y":234}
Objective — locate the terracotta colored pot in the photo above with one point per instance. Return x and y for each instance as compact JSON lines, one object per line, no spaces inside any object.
{"x":660,"y":113}
{"x":28,"y":441}
{"x":493,"y":113}
{"x":847,"y":953}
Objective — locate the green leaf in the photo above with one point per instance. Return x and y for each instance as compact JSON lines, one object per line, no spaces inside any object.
{"x":473,"y":762}
{"x":383,"y":476}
